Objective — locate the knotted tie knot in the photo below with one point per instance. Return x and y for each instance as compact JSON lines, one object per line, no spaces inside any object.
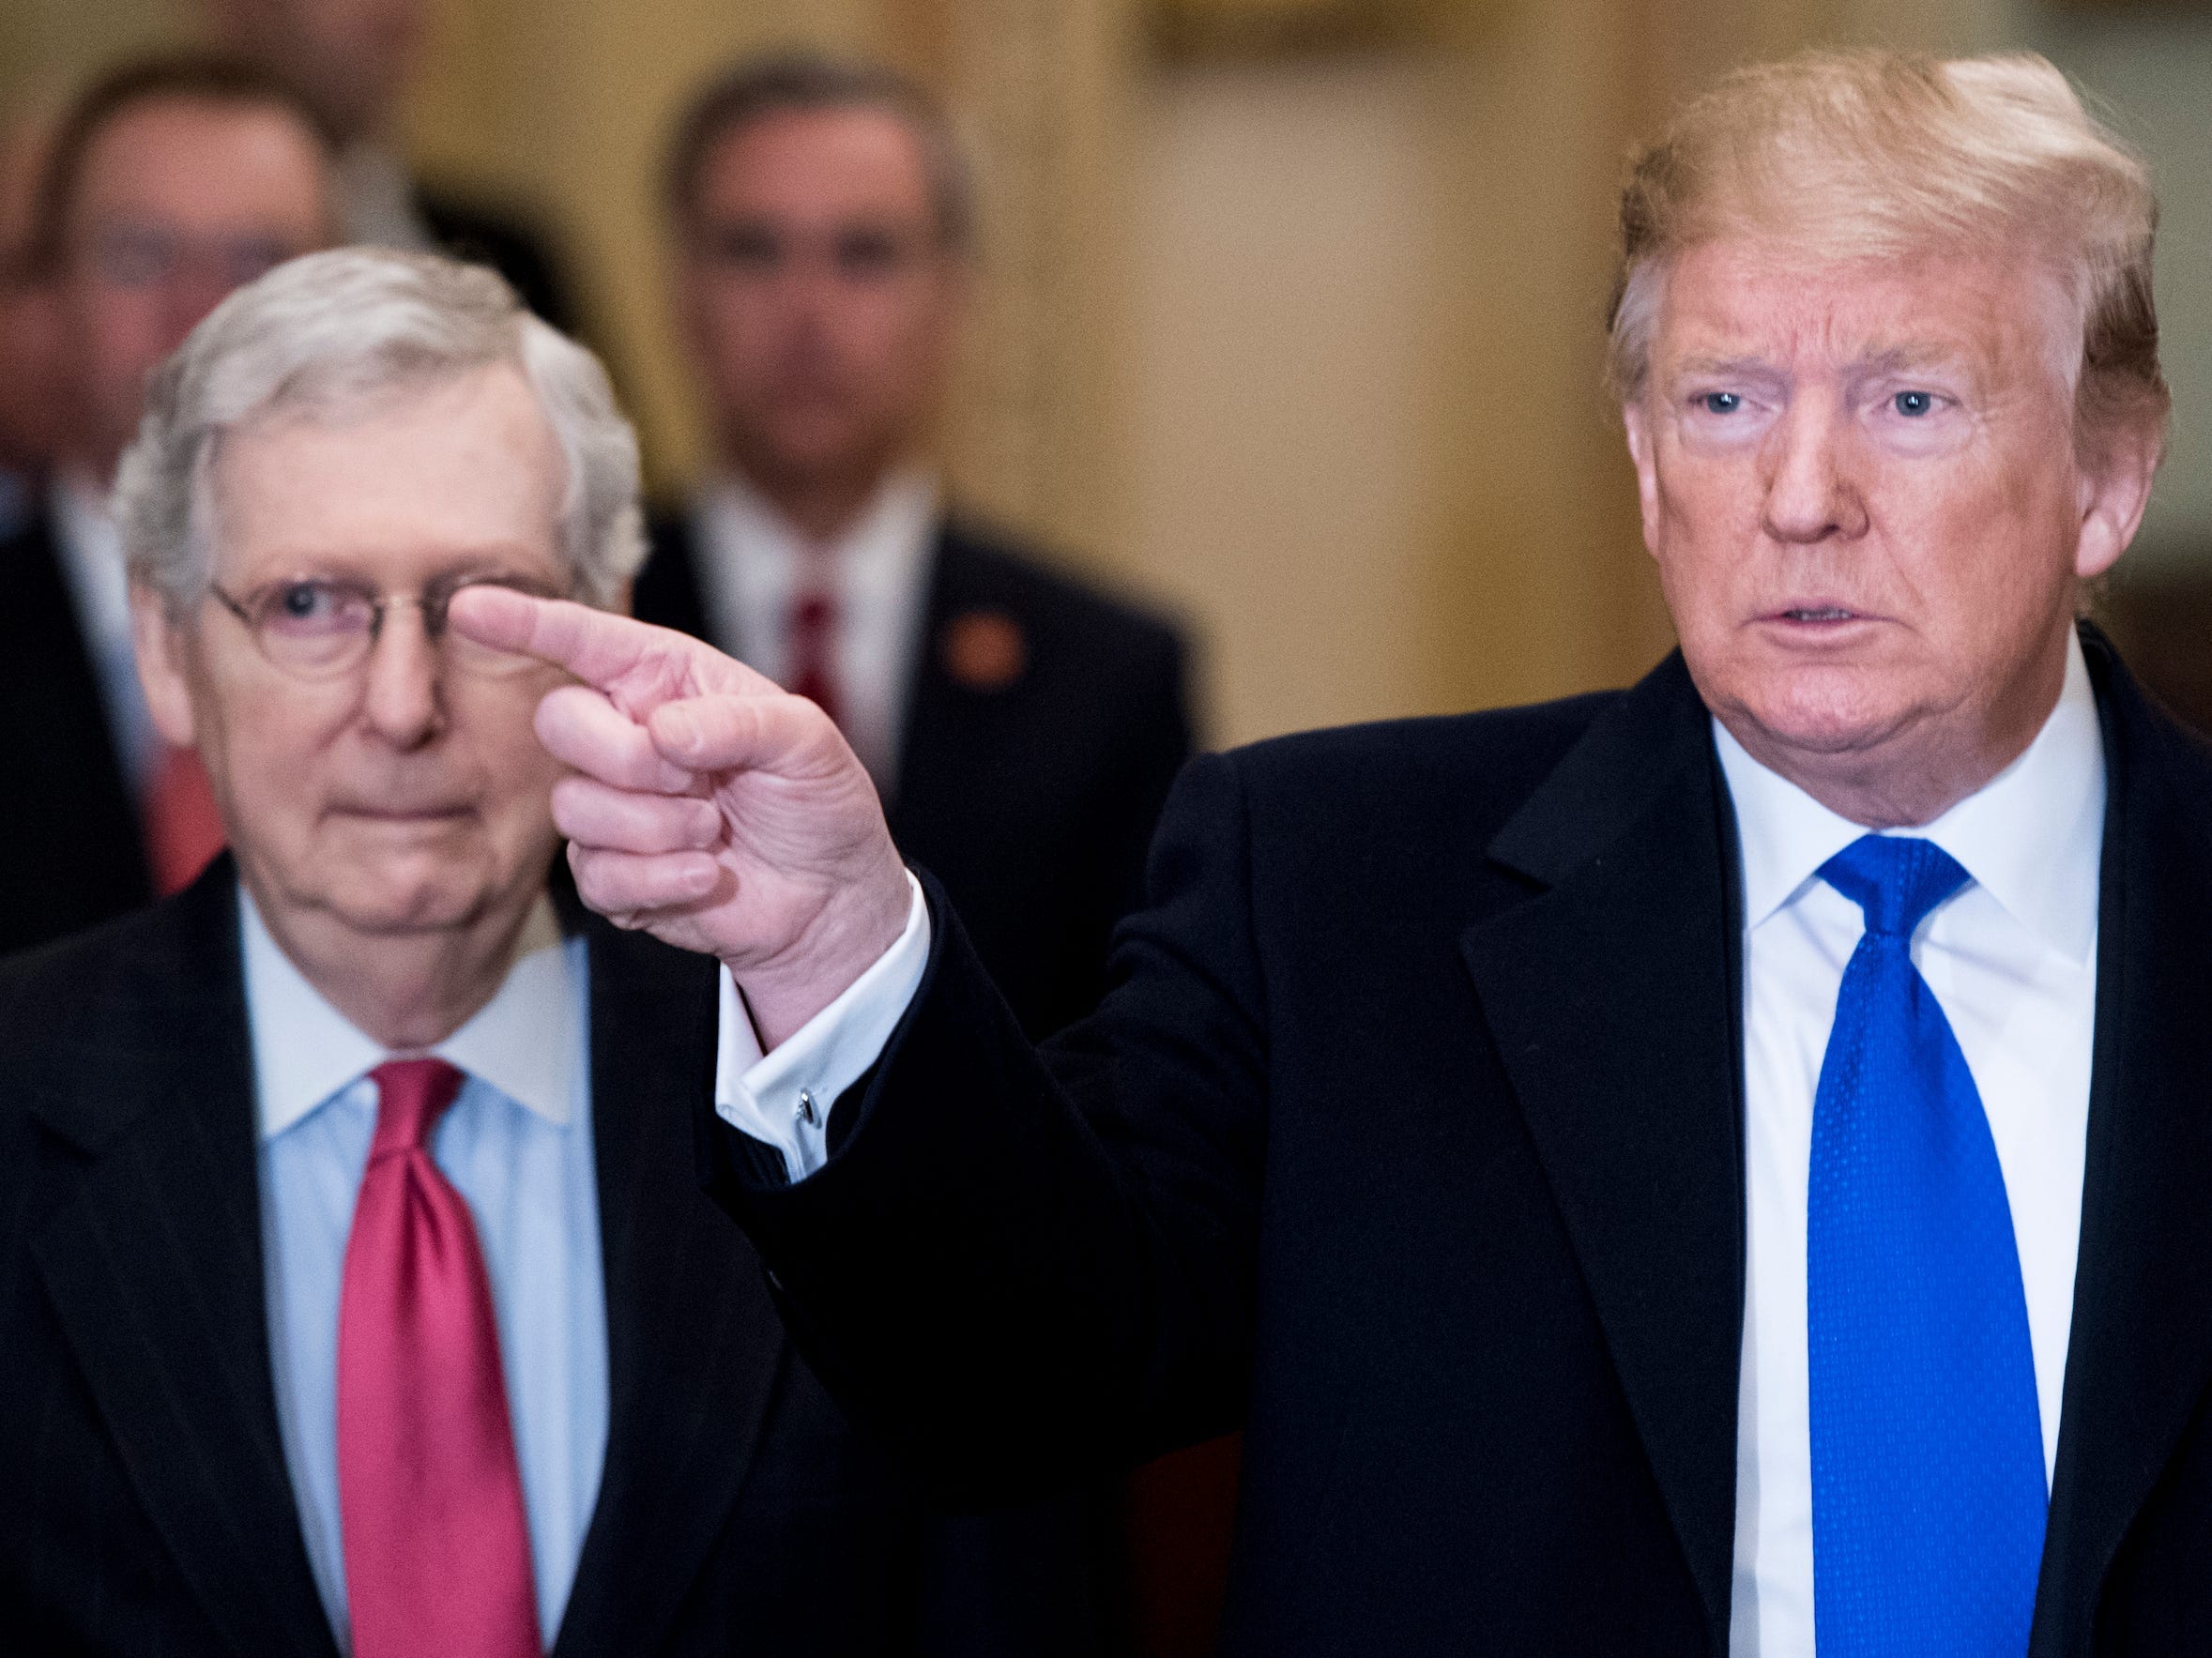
{"x":1894,"y":879}
{"x":411,"y":1096}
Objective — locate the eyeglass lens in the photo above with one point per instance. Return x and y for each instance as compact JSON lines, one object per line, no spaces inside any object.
{"x":319,"y":627}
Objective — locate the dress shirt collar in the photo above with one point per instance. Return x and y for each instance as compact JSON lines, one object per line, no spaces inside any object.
{"x":875,"y":552}
{"x":305,"y":1050}
{"x":2031,"y":837}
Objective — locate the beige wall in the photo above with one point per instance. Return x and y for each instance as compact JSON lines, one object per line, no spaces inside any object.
{"x":46,"y":46}
{"x":1281,"y":385}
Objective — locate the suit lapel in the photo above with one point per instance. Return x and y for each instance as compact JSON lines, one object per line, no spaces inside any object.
{"x":2139,"y":1357}
{"x":1612,"y":997}
{"x":695,"y":1346}
{"x":155,"y":1273}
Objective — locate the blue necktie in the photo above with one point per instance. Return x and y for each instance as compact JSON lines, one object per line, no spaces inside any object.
{"x":1927,"y":1489}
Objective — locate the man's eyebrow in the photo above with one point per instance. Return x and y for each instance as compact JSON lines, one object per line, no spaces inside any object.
{"x":1911,"y":354}
{"x":1713,"y":363}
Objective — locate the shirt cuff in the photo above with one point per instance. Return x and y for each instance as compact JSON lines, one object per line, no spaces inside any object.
{"x":783,"y":1099}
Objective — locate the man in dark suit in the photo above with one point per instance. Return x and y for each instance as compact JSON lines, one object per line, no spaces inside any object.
{"x":1713,"y":1168}
{"x":1021,"y":727}
{"x":167,"y":183}
{"x":355,"y":1297}
{"x":352,"y":61}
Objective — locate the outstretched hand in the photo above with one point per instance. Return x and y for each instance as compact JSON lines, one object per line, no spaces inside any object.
{"x":708,"y":807}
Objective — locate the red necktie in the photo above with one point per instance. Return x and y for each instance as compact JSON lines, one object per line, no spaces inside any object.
{"x":437,"y":1550}
{"x":183,"y":830}
{"x":814,"y":644}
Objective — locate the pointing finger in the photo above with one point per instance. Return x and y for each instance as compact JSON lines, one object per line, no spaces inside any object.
{"x":639,"y":666}
{"x":599,"y":648}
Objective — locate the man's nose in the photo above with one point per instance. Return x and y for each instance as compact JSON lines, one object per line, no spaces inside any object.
{"x":402,"y":700}
{"x":1811,"y":494}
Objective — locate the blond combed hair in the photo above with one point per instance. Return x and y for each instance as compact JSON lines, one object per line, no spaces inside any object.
{"x":1887,"y":155}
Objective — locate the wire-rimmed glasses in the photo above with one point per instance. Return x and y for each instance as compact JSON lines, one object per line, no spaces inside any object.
{"x":323,"y":627}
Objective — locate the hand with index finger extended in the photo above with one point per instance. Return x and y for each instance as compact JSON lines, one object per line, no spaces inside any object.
{"x":793,"y":882}
{"x":638,"y":666}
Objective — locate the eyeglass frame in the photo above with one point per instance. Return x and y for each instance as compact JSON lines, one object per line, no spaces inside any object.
{"x":429,"y":601}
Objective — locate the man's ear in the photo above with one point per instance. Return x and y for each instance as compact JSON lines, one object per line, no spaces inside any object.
{"x":1647,"y":471}
{"x":159,"y":639}
{"x":2115,"y":487}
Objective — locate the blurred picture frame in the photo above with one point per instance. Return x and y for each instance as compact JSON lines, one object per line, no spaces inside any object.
{"x":1270,"y":28}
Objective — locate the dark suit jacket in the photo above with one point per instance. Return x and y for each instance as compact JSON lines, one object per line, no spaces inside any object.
{"x":71,"y":850}
{"x":1032,"y":803}
{"x":1409,"y":1135}
{"x":148,"y":1508}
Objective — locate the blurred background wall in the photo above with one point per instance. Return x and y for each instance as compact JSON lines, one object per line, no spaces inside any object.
{"x":1289,"y":309}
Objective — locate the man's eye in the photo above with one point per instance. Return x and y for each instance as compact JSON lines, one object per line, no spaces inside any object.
{"x":251,"y":257}
{"x":868,"y":252}
{"x":1720,"y":402}
{"x":747,"y":246}
{"x":313,"y":607}
{"x":1913,"y":404}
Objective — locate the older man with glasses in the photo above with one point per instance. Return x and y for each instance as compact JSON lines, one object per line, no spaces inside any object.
{"x":167,"y":184}
{"x":359,"y":1297}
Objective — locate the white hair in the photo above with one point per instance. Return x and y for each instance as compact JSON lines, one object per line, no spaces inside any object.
{"x":329,"y":332}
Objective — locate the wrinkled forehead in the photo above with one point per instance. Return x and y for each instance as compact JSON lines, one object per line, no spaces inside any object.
{"x":834,"y":163}
{"x":399,"y":482}
{"x":2000,"y":315}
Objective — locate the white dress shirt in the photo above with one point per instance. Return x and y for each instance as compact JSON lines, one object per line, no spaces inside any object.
{"x":90,"y":543}
{"x":751,"y":565}
{"x":783,"y":1099}
{"x":517,"y":1146}
{"x":2011,"y":958}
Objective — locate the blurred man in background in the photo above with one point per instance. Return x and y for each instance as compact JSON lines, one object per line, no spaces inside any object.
{"x":32,"y":399}
{"x":168,"y":184}
{"x":1021,"y":728}
{"x":352,"y":60}
{"x":359,"y":1295}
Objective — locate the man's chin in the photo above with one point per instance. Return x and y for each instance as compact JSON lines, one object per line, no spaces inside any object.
{"x":1826,"y":710}
{"x":390,"y":911}
{"x":404,"y":892}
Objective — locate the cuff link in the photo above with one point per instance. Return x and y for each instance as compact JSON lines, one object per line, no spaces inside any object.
{"x":806,"y":1108}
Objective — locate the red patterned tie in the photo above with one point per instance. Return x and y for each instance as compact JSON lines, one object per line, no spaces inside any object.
{"x":183,"y":830}
{"x":437,"y":1551}
{"x":814,"y":644}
